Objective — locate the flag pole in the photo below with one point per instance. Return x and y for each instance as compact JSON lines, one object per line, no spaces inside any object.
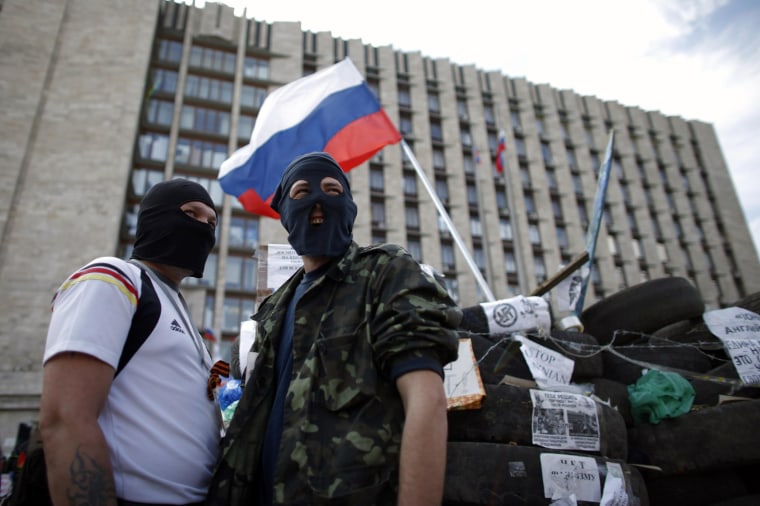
{"x":596,"y":219}
{"x":445,"y":216}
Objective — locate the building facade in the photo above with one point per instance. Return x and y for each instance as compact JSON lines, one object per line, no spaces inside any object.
{"x":103,"y":99}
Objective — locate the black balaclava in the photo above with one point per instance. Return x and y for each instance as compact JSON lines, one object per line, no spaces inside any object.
{"x":166,"y":235}
{"x":334,"y":235}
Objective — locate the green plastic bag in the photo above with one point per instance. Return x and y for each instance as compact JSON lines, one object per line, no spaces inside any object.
{"x":659,"y":394}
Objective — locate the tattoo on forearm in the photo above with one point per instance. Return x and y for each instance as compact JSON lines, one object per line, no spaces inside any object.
{"x":90,"y":484}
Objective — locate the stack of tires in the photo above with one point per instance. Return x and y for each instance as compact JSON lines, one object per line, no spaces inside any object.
{"x":708,"y":456}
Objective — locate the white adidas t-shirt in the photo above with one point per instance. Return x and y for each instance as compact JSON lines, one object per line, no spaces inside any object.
{"x":162,"y":430}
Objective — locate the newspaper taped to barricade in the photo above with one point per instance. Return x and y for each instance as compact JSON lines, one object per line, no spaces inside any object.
{"x":462,"y":381}
{"x":568,"y":475}
{"x":564,"y":421}
{"x":739,"y":330}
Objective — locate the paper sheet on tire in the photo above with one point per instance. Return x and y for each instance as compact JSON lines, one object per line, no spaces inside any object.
{"x":564,"y":421}
{"x":739,"y":330}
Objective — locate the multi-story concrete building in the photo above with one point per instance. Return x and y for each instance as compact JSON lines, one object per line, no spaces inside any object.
{"x":102,"y":99}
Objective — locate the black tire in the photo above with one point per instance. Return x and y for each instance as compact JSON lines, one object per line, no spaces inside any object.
{"x":506,"y":417}
{"x":745,"y":500}
{"x":498,"y":474}
{"x":666,"y":355}
{"x":697,"y":489}
{"x":645,"y":308}
{"x":713,"y":438}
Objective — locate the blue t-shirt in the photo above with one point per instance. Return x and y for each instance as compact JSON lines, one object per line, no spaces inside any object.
{"x":283,"y":371}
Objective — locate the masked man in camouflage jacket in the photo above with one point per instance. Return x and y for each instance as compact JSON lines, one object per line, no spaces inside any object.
{"x":345,"y":404}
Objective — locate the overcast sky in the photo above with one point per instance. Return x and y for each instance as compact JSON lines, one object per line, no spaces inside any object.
{"x":696,"y":59}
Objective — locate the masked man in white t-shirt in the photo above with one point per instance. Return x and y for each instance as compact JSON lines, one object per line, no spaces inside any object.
{"x":125,"y":427}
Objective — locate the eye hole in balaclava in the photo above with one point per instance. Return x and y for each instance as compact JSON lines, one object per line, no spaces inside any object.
{"x":333,"y":236}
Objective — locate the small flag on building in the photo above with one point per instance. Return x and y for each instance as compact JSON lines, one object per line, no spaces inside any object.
{"x":500,"y":149}
{"x":332,"y":110}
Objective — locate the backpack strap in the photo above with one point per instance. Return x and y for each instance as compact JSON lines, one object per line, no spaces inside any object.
{"x":143,"y":321}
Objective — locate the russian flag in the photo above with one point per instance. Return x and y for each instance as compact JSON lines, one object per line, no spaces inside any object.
{"x":500,"y":149}
{"x":333,"y":110}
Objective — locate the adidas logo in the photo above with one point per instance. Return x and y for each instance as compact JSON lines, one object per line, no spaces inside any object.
{"x":176,"y":327}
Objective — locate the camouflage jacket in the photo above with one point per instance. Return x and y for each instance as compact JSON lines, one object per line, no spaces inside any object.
{"x":343,"y":416}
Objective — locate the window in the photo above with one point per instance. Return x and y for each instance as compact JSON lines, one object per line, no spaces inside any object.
{"x":577,"y":183}
{"x":556,"y":208}
{"x":200,"y":153}
{"x":546,"y":153}
{"x":205,"y":120}
{"x":434,"y":103}
{"x":252,"y":96}
{"x":159,"y":112}
{"x":240,"y":273}
{"x":533,"y":234}
{"x":412,"y":217}
{"x":447,"y":257}
{"x":462,"y":110}
{"x":442,"y":189}
{"x":405,"y":125}
{"x":612,"y":245}
{"x":551,"y":180}
{"x":562,"y":240}
{"x":207,"y":88}
{"x":404,"y":98}
{"x":540,"y":126}
{"x":514,"y":117}
{"x":469,"y":164}
{"x":245,"y":126}
{"x":489,"y":115}
{"x":235,"y":311}
{"x":170,"y":51}
{"x":505,"y":230}
{"x":244,"y":232}
{"x":153,"y":146}
{"x":376,"y":181}
{"x":255,"y":68}
{"x":163,"y":81}
{"x":539,"y":268}
{"x":439,"y":160}
{"x":525,"y":176}
{"x":378,"y":213}
{"x":144,"y":179}
{"x":410,"y":185}
{"x":212,"y":59}
{"x":509,"y":262}
{"x":466,"y":137}
{"x":530,"y":205}
{"x":436,"y":131}
{"x":472,"y":194}
{"x":479,"y":257}
{"x":501,"y":200}
{"x":476,"y":227}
